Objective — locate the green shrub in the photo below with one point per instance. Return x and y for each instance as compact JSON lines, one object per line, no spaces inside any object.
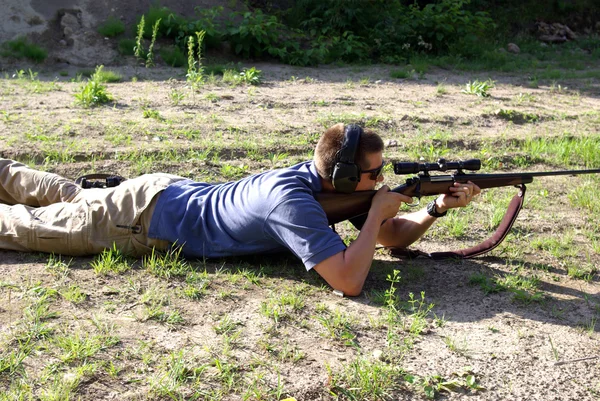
{"x":401,"y":74}
{"x":112,"y":27}
{"x":22,"y":48}
{"x":254,"y":34}
{"x":179,"y":28}
{"x":152,"y":16}
{"x":173,"y":56}
{"x":126,"y":47}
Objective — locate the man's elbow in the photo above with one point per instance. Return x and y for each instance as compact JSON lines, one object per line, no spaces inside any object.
{"x":351,"y":289}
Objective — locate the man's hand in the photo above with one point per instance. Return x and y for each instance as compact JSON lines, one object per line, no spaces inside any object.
{"x":461,"y":194}
{"x":387,"y":203}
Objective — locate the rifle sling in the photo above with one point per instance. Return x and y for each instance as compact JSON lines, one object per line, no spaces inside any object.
{"x":499,"y":235}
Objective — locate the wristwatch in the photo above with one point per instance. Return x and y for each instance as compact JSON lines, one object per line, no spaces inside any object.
{"x":432,"y":211}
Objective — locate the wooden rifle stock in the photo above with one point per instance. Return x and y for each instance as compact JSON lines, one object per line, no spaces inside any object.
{"x":340,"y":207}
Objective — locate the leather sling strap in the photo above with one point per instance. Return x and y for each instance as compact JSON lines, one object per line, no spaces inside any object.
{"x":515,"y":206}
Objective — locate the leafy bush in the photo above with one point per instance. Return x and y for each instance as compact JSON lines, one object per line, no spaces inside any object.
{"x":179,"y":28}
{"x":21,"y":48}
{"x":112,"y":27}
{"x":311,"y":32}
{"x":255,"y":34}
{"x":445,"y":24}
{"x":386,"y":30}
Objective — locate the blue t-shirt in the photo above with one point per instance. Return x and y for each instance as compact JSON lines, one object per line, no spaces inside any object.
{"x":262,"y":213}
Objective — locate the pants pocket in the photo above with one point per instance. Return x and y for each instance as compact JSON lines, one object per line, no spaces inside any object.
{"x":60,"y":228}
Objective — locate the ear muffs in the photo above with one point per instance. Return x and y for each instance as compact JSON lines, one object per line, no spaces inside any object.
{"x":346,"y":173}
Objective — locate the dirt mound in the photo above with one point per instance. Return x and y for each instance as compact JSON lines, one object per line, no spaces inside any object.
{"x":68,"y":28}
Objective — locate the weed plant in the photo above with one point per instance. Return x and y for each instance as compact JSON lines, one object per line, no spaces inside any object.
{"x":150,"y":54}
{"x":195,"y":71}
{"x":479,"y":88}
{"x":138,"y":50}
{"x":251,"y":76}
{"x":93,"y":92}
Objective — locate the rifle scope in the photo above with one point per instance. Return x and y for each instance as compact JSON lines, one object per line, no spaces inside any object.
{"x":441,"y":165}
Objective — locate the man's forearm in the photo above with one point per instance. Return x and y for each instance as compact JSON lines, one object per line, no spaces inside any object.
{"x":404,"y":230}
{"x":347,"y":270}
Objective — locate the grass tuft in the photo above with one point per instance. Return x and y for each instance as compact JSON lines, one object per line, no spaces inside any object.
{"x":22,"y":48}
{"x":111,"y":27}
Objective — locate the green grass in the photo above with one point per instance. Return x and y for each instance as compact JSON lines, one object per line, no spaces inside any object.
{"x":74,"y":294}
{"x":586,"y":195}
{"x":21,"y":48}
{"x":167,"y":264}
{"x":363,"y":378}
{"x":567,"y":150}
{"x":110,"y":261}
{"x":111,"y":27}
{"x":78,"y":346}
{"x":106,"y":76}
{"x":401,"y":74}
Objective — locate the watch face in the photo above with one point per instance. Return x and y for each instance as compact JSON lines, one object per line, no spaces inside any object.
{"x":432,"y":211}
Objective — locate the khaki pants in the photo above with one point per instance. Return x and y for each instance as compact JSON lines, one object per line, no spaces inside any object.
{"x":44,"y":212}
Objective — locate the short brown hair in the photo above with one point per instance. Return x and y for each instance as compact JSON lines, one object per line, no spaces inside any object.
{"x":331,"y":142}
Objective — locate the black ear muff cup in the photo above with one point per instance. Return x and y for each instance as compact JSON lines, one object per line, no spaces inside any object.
{"x":346,"y":173}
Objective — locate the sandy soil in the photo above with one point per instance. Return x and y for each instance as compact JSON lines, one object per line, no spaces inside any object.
{"x":512,"y":347}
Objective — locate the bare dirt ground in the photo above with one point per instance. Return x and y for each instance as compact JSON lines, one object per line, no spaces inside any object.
{"x":520,"y":343}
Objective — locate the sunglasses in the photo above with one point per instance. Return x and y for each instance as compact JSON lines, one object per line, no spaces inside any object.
{"x":375,"y":172}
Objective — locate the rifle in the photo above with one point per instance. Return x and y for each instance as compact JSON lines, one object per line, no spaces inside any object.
{"x":355,"y":206}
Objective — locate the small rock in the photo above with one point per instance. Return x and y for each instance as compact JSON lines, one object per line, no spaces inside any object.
{"x":156,"y":139}
{"x":69,"y":23}
{"x":553,"y":38}
{"x":369,"y":107}
{"x":378,"y":354}
{"x":570,"y":34}
{"x":513,"y":48}
{"x":378,"y":81}
{"x":391,"y":143}
{"x":502,"y":50}
{"x":63,"y":42}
